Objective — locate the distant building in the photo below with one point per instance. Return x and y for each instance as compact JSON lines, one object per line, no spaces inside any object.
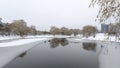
{"x":104,"y":28}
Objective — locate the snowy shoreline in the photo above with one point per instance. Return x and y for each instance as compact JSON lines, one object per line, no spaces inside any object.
{"x":4,"y":38}
{"x":9,"y":41}
{"x":99,"y":37}
{"x":21,"y":42}
{"x":32,"y":39}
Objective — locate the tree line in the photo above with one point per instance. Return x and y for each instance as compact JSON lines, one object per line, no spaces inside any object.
{"x":87,"y":30}
{"x":20,"y":28}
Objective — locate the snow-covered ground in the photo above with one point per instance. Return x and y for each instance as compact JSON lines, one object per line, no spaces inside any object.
{"x":22,"y":42}
{"x":100,"y":37}
{"x":8,"y":41}
{"x":31,"y":39}
{"x":7,"y":54}
{"x":48,"y":36}
{"x":3,"y":38}
{"x":8,"y":37}
{"x":10,"y":50}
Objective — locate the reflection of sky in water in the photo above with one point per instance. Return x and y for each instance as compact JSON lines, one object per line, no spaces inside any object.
{"x":71,"y":55}
{"x":60,"y":53}
{"x":110,"y":55}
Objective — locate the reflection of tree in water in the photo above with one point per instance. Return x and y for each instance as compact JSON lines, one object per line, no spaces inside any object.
{"x":89,"y":46}
{"x":22,"y":54}
{"x":58,"y":41}
{"x":64,"y":42}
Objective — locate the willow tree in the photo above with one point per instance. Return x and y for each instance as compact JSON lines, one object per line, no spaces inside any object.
{"x":109,"y":9}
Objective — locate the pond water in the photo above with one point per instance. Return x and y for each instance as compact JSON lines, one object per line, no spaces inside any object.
{"x":66,"y":53}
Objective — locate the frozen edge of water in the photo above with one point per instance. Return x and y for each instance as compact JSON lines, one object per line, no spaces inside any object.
{"x":21,"y":42}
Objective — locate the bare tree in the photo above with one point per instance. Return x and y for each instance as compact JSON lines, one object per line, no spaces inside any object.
{"x":89,"y":30}
{"x":108,"y":9}
{"x":33,"y":30}
{"x":76,"y":31}
{"x":114,"y":30}
{"x":19,"y":27}
{"x":65,"y":31}
{"x":1,"y":25}
{"x":54,"y":30}
{"x":4,"y":28}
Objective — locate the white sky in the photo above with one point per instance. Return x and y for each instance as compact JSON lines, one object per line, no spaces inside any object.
{"x":46,"y":13}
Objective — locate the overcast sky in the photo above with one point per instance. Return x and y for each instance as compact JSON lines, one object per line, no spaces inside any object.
{"x":46,"y":13}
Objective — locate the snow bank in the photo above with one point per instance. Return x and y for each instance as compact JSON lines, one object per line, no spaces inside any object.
{"x":21,"y":42}
{"x":39,"y":36}
{"x":8,"y":54}
{"x":48,"y":36}
{"x":8,"y":37}
{"x":100,"y":37}
{"x":10,"y":50}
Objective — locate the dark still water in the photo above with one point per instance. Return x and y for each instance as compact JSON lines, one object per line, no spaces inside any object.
{"x":66,"y":53}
